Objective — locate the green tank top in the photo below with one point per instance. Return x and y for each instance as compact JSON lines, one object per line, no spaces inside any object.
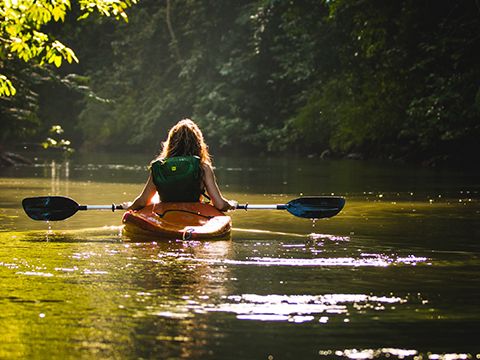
{"x":177,"y":179}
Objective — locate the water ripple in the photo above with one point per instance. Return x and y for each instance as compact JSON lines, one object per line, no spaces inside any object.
{"x":374,"y":260}
{"x":296,"y":308}
{"x":392,"y":353}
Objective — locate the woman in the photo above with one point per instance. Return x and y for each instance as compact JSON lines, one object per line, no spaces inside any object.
{"x":182,"y":172}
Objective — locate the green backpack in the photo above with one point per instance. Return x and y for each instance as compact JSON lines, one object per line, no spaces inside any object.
{"x":178,"y":179}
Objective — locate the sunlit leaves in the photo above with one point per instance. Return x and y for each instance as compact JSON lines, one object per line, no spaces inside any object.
{"x":57,"y":52}
{"x":22,"y":33}
{"x":6,"y":86}
{"x":54,"y":141}
{"x":115,"y":8}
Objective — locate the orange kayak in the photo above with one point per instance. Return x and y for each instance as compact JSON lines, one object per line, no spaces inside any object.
{"x":187,"y":221}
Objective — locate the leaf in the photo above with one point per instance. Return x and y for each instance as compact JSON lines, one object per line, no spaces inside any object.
{"x":56,"y":129}
{"x":58,"y":61}
{"x":6,"y":86}
{"x":58,"y":13}
{"x":83,"y":16}
{"x":70,"y":55}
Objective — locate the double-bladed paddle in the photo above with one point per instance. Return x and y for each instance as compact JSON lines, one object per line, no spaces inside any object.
{"x":54,"y":208}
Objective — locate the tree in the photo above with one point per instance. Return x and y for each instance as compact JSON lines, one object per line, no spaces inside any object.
{"x":387,"y":79}
{"x":22,"y":34}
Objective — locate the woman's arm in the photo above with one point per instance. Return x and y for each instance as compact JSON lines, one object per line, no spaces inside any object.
{"x":214,"y":192}
{"x":144,"y":199}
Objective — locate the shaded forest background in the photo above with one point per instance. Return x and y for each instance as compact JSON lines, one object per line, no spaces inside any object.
{"x":386,"y":79}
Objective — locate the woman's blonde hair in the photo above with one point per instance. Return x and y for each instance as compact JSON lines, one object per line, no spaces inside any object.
{"x":185,"y":139}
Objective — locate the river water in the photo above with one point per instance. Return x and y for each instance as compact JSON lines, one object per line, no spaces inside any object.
{"x":395,"y":275}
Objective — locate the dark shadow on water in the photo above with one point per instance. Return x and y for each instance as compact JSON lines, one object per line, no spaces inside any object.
{"x":16,"y":299}
{"x":100,"y":235}
{"x":71,"y":240}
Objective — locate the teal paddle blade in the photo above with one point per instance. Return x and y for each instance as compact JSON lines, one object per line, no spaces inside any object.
{"x":316,"y":207}
{"x":49,"y":208}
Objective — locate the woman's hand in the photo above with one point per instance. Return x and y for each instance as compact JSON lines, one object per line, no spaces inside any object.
{"x":228,"y":205}
{"x":126,"y":205}
{"x":232,"y":205}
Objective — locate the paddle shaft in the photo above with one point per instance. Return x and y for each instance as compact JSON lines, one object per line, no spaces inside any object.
{"x":262,"y":207}
{"x":112,"y":207}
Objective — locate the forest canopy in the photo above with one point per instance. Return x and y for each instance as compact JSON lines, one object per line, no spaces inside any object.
{"x":396,"y":80}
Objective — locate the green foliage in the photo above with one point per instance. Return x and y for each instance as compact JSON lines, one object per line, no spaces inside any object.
{"x":388,"y":79}
{"x":29,"y":49}
{"x":6,"y":86}
{"x":403,"y":86}
{"x":22,"y":35}
{"x":19,"y":114}
{"x":55,"y":141}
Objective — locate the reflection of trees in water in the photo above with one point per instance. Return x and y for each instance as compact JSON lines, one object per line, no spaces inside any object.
{"x":59,"y":174}
{"x":168,"y":290}
{"x":118,"y":299}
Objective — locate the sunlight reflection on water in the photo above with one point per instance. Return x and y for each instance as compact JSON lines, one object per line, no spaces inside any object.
{"x":315,"y":236}
{"x":34,"y":273}
{"x":375,"y":260}
{"x":299,"y":308}
{"x":288,"y":308}
{"x":392,"y":353}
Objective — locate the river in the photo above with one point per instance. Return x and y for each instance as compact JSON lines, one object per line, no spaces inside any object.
{"x":394,"y":275}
